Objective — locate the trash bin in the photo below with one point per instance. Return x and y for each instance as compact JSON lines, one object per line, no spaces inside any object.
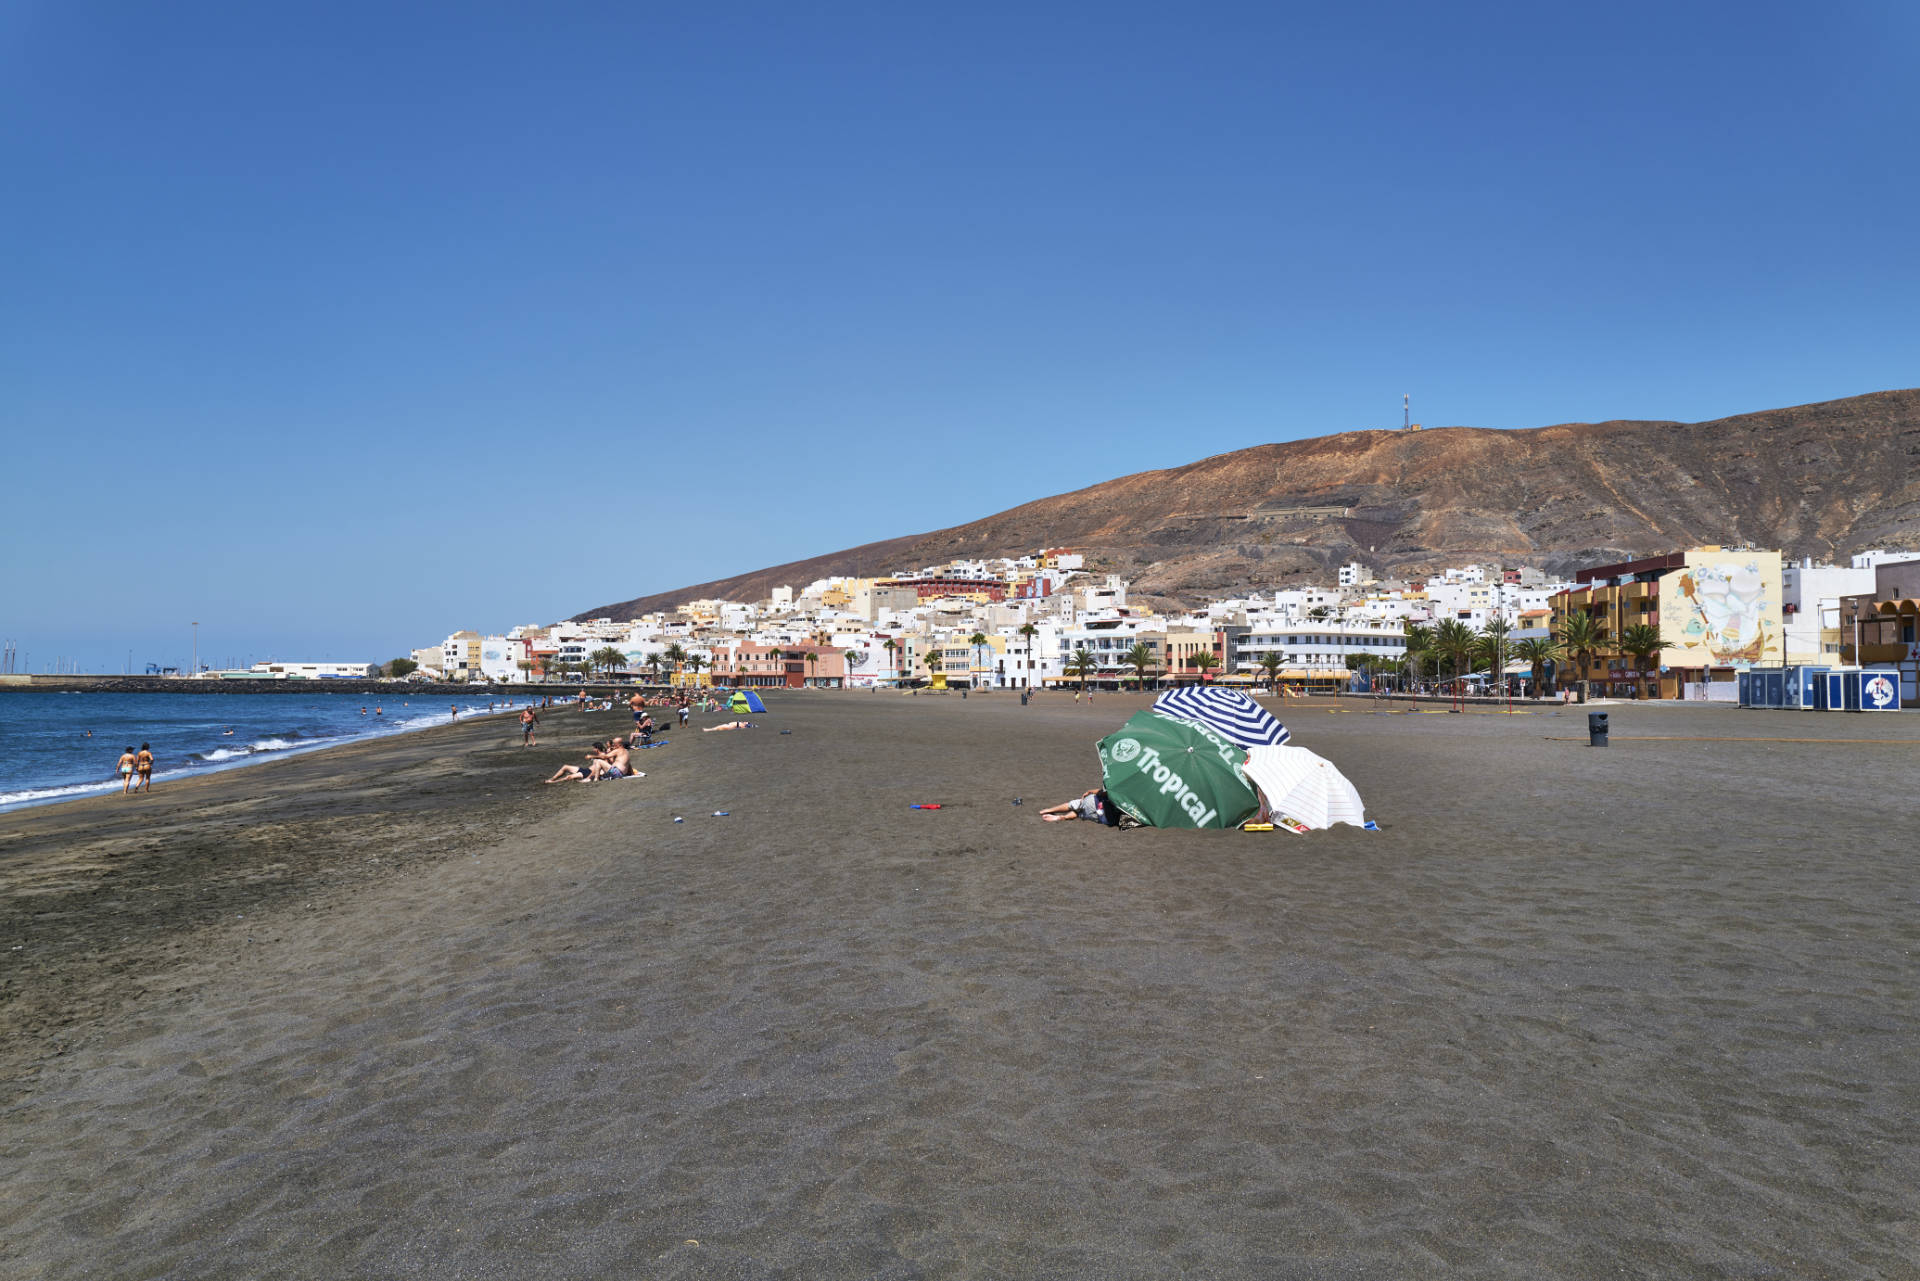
{"x":1596,"y":729}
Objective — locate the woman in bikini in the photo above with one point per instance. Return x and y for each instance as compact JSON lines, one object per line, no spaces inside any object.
{"x":143,"y":764}
{"x":127,"y":759}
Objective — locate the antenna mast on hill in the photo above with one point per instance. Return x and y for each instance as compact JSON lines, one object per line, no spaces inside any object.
{"x":1406,"y":410}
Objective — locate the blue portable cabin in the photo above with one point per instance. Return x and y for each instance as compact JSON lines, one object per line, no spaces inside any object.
{"x":1803,"y":686}
{"x":1744,"y":680}
{"x":1775,"y":682}
{"x":1880,"y":689}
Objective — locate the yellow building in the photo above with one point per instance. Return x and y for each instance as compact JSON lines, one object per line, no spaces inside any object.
{"x":1717,"y":610}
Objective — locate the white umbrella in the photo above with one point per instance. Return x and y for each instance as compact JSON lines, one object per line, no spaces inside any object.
{"x":1304,"y":786}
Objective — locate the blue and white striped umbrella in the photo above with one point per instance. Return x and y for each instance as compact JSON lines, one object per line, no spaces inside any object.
{"x":1229,"y":711}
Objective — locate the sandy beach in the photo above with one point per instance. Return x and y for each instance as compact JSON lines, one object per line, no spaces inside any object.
{"x":396,"y":1010}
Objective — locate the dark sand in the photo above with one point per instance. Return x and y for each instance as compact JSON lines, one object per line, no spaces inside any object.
{"x":1646,"y":1012}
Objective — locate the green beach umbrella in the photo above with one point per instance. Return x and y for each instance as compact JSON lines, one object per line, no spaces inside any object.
{"x":1169,"y":772}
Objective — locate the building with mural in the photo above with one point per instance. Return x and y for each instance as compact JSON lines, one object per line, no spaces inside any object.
{"x":1718,"y":611}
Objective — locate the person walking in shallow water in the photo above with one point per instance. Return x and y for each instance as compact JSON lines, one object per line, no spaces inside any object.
{"x":143,"y":765}
{"x":125,"y":764}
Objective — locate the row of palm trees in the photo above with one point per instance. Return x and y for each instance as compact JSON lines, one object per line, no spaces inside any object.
{"x":1578,"y":637}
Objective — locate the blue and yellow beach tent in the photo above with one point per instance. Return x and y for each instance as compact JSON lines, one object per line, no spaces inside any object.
{"x":745,"y":700}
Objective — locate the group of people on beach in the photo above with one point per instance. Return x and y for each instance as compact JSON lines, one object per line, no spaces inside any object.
{"x":610,"y":759}
{"x":613,"y":758}
{"x":136,"y":770}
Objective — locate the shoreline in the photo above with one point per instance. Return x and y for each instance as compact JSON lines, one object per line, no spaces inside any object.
{"x":69,"y":792}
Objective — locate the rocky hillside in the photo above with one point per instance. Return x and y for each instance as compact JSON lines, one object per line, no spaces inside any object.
{"x":1822,"y":480}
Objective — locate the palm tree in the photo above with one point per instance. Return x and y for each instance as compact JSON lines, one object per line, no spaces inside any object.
{"x":1642,"y":640}
{"x":1537,"y":651}
{"x":932,"y":661}
{"x":1455,"y":639}
{"x":891,"y":647}
{"x":1579,"y":637}
{"x":813,"y":664}
{"x":1083,"y":664}
{"x":653,"y":666}
{"x":1494,"y":636}
{"x":1271,"y":663}
{"x":1419,"y":644}
{"x":1203,"y":662}
{"x":1029,"y":631}
{"x":696,"y":662}
{"x":1140,"y":658}
{"x":854,"y":658}
{"x":675,"y":655}
{"x":606,"y":658}
{"x":976,"y":640}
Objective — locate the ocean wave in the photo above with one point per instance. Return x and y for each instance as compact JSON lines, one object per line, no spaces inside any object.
{"x":273,"y":745}
{"x":68,"y":792}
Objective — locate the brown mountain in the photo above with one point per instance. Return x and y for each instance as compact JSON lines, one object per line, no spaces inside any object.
{"x":1822,"y":480}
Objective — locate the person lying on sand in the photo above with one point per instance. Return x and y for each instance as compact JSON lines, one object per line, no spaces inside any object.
{"x":1091,"y":805}
{"x":714,"y":729}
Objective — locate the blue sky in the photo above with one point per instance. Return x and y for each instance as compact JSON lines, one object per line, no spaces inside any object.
{"x":336,"y":327}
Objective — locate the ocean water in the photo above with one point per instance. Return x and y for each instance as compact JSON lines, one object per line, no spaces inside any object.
{"x":55,"y":747}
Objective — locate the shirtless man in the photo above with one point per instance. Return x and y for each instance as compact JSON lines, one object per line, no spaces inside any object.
{"x":143,"y":765}
{"x":639,"y":707}
{"x":528,"y":720}
{"x":616,"y":763}
{"x":125,"y":765}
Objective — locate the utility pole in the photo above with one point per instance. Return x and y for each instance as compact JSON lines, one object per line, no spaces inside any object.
{"x":195,"y":671}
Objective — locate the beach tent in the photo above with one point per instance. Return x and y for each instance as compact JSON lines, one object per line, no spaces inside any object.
{"x":1226,"y":711}
{"x":745,"y":700}
{"x":1303,"y":786}
{"x":1167,"y":772}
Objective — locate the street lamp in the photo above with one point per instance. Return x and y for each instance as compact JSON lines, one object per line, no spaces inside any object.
{"x":195,"y":671}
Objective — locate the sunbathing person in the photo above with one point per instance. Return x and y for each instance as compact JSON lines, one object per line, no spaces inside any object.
{"x":597,"y":766}
{"x":616,"y":763}
{"x":714,"y":729}
{"x":1091,"y":804}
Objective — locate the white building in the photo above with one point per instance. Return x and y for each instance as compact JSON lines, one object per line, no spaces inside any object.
{"x":501,"y":656}
{"x":1810,"y":603}
{"x":1878,"y":557}
{"x":1316,"y":650}
{"x":315,"y":671}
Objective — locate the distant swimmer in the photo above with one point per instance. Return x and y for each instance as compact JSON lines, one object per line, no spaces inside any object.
{"x":376,"y":711}
{"x":127,"y":758}
{"x":363,"y":711}
{"x":229,"y":733}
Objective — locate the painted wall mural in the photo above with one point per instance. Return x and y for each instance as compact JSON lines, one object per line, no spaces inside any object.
{"x":1722,"y":610}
